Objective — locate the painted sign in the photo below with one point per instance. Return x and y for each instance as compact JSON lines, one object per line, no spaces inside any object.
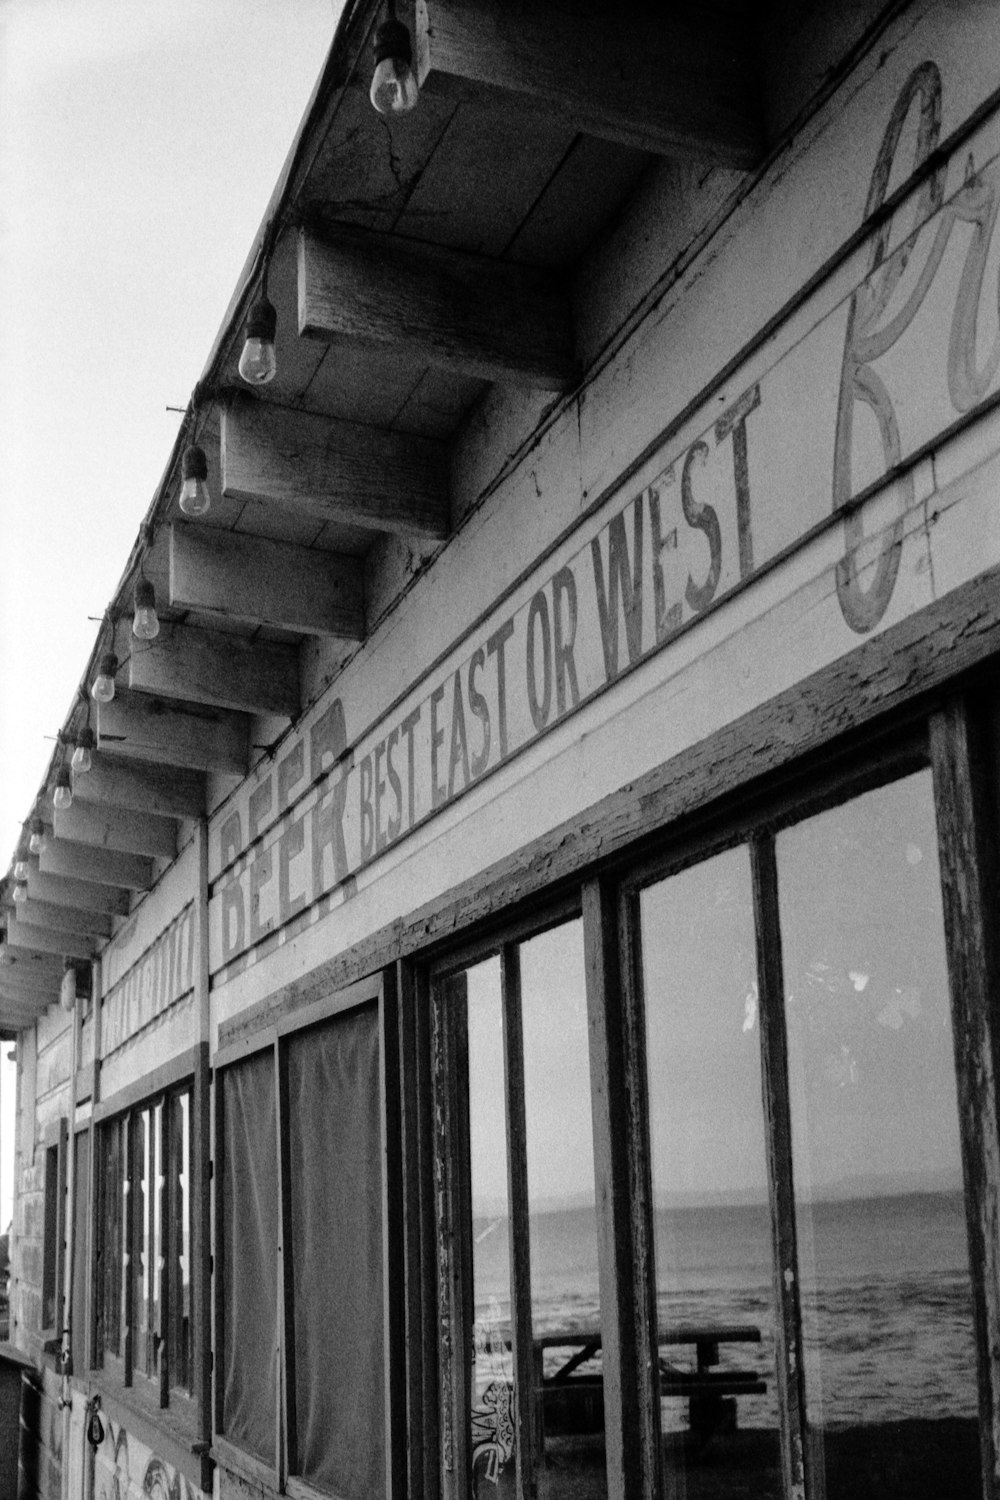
{"x":861,"y":378}
{"x":163,"y":973}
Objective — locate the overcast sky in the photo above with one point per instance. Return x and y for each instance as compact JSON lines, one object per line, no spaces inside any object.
{"x":139,"y":144}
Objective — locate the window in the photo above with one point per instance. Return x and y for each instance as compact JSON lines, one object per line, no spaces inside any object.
{"x":54,"y":1233}
{"x":812,"y":1297}
{"x":519,"y":1292}
{"x":309,"y":1269}
{"x":143,"y":1269}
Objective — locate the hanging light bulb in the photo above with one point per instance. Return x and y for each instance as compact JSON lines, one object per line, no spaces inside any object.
{"x":20,"y":869}
{"x":36,"y":843}
{"x":145,"y":624}
{"x":83,"y":756}
{"x":394,"y":86}
{"x":103,"y":689}
{"x":62,"y":797}
{"x":258,"y":364}
{"x":20,"y":892}
{"x":196,"y":498}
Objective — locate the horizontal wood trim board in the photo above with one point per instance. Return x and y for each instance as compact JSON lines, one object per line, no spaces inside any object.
{"x":266,"y":583}
{"x":679,"y":85}
{"x":177,"y":1070}
{"x":172,"y":793}
{"x":914,"y":658}
{"x":206,"y":666}
{"x":334,"y":470}
{"x":147,"y":729}
{"x":495,"y":320}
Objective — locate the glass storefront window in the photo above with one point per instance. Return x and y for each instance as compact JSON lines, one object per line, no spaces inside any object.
{"x":711,"y":1223}
{"x":890,"y":1365}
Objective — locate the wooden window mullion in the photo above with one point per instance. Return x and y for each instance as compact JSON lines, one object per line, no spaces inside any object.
{"x":127,"y":1289}
{"x":778,"y":1140}
{"x":631,"y":1413}
{"x":965,"y":771}
{"x":517,"y":1192}
{"x":162,"y":1268}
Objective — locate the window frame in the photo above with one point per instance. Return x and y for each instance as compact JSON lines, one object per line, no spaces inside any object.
{"x":155,"y":1399}
{"x":957,"y":738}
{"x":447,"y":1147}
{"x":381,"y":989}
{"x":54,"y":1208}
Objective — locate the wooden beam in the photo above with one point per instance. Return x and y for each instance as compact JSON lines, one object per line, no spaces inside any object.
{"x":103,"y":866}
{"x":680,"y":82}
{"x":202,"y":666}
{"x":43,"y":940}
{"x":467,"y":313}
{"x":335,"y":471}
{"x":18,"y":1012}
{"x":77,"y":893}
{"x":64,"y":918}
{"x":30,"y":966}
{"x":168,"y":791}
{"x":111,"y":828}
{"x":140,"y":728}
{"x":267,"y":583}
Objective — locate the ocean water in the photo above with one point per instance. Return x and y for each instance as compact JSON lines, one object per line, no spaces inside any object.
{"x":887,"y":1316}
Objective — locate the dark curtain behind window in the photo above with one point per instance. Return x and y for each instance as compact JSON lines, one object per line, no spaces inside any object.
{"x":336,"y":1204}
{"x":81,"y":1207}
{"x":249,"y":1223}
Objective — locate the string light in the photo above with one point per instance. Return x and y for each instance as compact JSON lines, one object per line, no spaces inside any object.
{"x":20,"y":869}
{"x":258,"y":362}
{"x":196,"y":498}
{"x":83,"y":755}
{"x":103,"y":689}
{"x":36,"y":828}
{"x":20,"y":892}
{"x":145,"y":621}
{"x":394,"y":86}
{"x":62,"y":797}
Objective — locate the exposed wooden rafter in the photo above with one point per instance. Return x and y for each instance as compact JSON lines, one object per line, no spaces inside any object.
{"x":136,"y":727}
{"x":203,"y":666}
{"x":678,"y":81}
{"x":67,"y":891}
{"x":113,"y":828}
{"x":59,"y":918}
{"x":49,"y":940}
{"x":267,"y":583}
{"x":101,"y":866}
{"x":170,"y":792}
{"x":467,"y":313}
{"x":335,"y":471}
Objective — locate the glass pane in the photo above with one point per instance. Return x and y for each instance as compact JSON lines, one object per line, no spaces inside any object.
{"x":711,"y":1223}
{"x":142,"y":1215}
{"x":886,"y":1305}
{"x":248,"y":1228}
{"x":114,"y":1185}
{"x":491,"y":1368}
{"x":179,"y":1247}
{"x":565,"y":1299}
{"x":81,"y":1270}
{"x":335,"y":1156}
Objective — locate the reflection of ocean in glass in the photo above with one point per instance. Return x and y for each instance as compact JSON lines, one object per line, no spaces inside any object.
{"x":893,"y":1283}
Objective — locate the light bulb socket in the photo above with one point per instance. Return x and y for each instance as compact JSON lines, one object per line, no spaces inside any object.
{"x":143,"y":596}
{"x":85,"y":740}
{"x":36,"y":828}
{"x":108,"y":665}
{"x":194,"y":464}
{"x":63,"y":779}
{"x":392,"y":40}
{"x":262,"y":323}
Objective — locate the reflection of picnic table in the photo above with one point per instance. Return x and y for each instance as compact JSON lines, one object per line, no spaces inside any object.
{"x":573,"y":1401}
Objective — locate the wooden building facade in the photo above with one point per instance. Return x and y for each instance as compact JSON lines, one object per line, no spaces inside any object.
{"x":511,"y":1011}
